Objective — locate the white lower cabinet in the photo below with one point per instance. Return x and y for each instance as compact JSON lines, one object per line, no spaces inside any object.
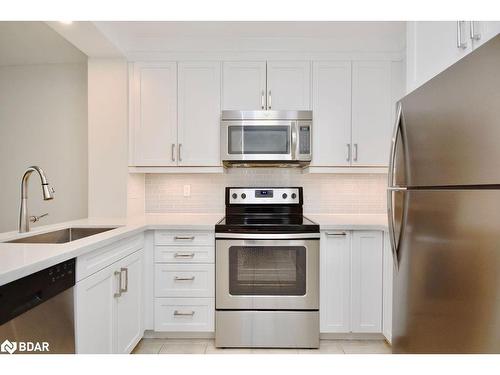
{"x":351,"y":282}
{"x":184,"y":281}
{"x":108,"y":314}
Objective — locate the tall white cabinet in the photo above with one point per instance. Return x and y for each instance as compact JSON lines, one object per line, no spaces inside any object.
{"x":351,"y":282}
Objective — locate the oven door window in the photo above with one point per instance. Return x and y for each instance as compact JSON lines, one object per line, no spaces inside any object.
{"x":251,"y":140}
{"x":267,"y":270}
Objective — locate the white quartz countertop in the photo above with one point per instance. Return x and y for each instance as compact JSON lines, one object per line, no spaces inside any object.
{"x":18,"y":260}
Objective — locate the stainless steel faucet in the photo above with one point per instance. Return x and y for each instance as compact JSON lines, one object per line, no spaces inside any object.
{"x":47,"y":191}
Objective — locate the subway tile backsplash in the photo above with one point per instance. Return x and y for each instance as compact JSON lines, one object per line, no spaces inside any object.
{"x":323,"y":193}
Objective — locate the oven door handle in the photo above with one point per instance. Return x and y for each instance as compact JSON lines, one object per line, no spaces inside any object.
{"x":268,"y":236}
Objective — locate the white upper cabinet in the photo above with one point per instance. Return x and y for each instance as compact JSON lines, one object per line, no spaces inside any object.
{"x":366,"y":281}
{"x":244,"y":85}
{"x":288,"y":85}
{"x":331,"y":113}
{"x":199,"y":91}
{"x":432,"y":46}
{"x":371,"y":113}
{"x":153,"y":102}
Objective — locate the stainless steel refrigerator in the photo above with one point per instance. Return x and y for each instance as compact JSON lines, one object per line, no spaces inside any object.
{"x":444,"y":210}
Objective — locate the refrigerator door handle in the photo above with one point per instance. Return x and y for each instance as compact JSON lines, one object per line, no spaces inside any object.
{"x":394,"y":140}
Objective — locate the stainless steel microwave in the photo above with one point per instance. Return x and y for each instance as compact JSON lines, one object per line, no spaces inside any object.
{"x":266,"y":138}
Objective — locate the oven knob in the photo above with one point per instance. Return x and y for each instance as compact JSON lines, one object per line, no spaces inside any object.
{"x":294,"y":195}
{"x":284,"y":196}
{"x":235,"y":195}
{"x":243,"y":195}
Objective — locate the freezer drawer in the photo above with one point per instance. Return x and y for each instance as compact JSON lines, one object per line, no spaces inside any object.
{"x":447,"y":286}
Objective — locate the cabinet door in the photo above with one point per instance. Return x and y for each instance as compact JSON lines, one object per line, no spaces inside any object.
{"x":371,"y":113}
{"x":244,"y":85}
{"x":387,"y":291}
{"x":432,"y":46}
{"x":95,"y":312}
{"x":335,"y":280}
{"x":154,"y":114}
{"x":199,"y":113}
{"x":332,"y":113}
{"x":129,"y":305}
{"x":484,"y":31}
{"x":366,"y":281}
{"x":289,"y":85}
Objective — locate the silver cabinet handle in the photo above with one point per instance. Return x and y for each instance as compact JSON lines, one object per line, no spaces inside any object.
{"x":173,"y":151}
{"x":181,"y":313}
{"x":178,"y":278}
{"x":262,"y":103}
{"x":355,"y":152}
{"x":179,"y":152}
{"x":460,"y":44}
{"x":119,"y":293}
{"x":336,"y":234}
{"x":124,"y":290}
{"x":269,"y":100}
{"x":348,"y":158}
{"x":182,"y":255}
{"x":473,"y":34}
{"x":188,"y":238}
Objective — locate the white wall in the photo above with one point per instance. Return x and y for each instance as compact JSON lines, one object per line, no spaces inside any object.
{"x":43,"y":121}
{"x":108,"y":137}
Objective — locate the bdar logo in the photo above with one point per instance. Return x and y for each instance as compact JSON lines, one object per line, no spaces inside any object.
{"x":8,"y":347}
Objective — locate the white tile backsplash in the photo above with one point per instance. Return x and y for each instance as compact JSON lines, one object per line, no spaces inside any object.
{"x":323,"y":193}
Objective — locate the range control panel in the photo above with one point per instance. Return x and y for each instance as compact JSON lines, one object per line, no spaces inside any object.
{"x":264,"y":195}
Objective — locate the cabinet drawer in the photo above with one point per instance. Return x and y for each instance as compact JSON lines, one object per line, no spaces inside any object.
{"x":184,"y":238}
{"x":184,"y":314}
{"x":184,"y":254}
{"x":184,"y":280}
{"x":96,"y":260}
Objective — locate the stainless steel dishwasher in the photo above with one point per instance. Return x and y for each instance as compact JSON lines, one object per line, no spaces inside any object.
{"x":36,"y":312}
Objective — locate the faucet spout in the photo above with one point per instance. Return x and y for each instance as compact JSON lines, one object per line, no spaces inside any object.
{"x":47,"y":194}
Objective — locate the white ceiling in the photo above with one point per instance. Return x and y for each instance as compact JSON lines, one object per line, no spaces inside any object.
{"x":35,"y":43}
{"x":131,"y":37}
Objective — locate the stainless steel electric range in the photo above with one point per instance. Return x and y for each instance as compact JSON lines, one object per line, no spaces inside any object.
{"x":267,"y":271}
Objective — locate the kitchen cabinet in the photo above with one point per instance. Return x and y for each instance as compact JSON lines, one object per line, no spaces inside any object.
{"x":174,"y":114}
{"x":244,"y":85}
{"x":388,"y":279}
{"x":432,"y":46}
{"x":199,"y":95}
{"x":351,"y":282}
{"x":352,"y":103}
{"x":153,"y":118}
{"x":371,"y":113}
{"x":366,"y":281}
{"x":332,"y":113}
{"x":271,"y":85}
{"x":335,"y":281}
{"x":288,"y":85}
{"x":108,"y":314}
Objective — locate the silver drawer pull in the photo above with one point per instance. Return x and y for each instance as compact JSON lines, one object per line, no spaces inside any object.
{"x":177,"y":278}
{"x":119,"y":293}
{"x":336,"y":234}
{"x":184,"y":255}
{"x":183,"y":313}
{"x":188,"y":238}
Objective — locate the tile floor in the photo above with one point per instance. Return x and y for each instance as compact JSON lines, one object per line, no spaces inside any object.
{"x":207,"y":346}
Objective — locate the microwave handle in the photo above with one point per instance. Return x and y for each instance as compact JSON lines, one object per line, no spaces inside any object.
{"x":294,"y":141}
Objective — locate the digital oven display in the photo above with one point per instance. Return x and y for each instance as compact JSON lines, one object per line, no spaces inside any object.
{"x":263,"y":193}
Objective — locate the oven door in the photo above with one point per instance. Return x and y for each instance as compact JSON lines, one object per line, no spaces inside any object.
{"x":258,"y":140}
{"x":267,"y":274}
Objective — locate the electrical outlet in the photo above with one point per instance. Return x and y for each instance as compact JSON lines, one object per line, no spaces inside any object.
{"x":187,"y":190}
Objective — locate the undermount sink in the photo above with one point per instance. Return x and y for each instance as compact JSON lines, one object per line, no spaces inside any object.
{"x":61,"y":235}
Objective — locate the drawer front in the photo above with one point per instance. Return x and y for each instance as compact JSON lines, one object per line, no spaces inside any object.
{"x":98,"y":259}
{"x":184,"y":238}
{"x":184,"y":254}
{"x":184,"y":280}
{"x":184,"y":314}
